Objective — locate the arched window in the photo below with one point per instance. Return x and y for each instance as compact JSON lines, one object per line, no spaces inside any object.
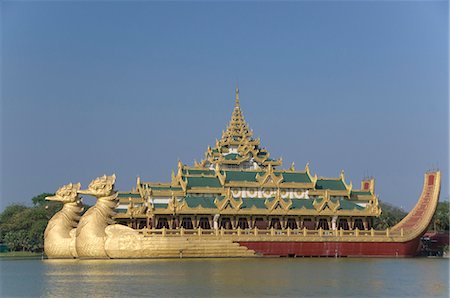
{"x":291,"y":223}
{"x":204,"y":223}
{"x":260,"y":223}
{"x":358,"y":224}
{"x":242,"y":223}
{"x":162,"y":223}
{"x":175,"y":223}
{"x":142,"y":224}
{"x":323,"y":223}
{"x":275,"y":223}
{"x":342,"y":224}
{"x":187,"y":223}
{"x":308,"y":224}
{"x":225,"y":223}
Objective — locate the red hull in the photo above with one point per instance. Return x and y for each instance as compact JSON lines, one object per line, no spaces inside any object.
{"x":335,"y":249}
{"x":415,"y":222}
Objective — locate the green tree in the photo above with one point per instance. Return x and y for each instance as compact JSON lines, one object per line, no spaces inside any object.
{"x":17,"y":240}
{"x":39,"y":200}
{"x":36,"y":235}
{"x":22,"y":228}
{"x":6,"y":217}
{"x":390,"y":216}
{"x":11,"y":210}
{"x":441,"y":217}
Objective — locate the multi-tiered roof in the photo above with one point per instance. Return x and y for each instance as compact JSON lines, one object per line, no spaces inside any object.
{"x":237,"y":172}
{"x":237,"y":148}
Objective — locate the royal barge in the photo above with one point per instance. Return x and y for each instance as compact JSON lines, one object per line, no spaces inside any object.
{"x":236,"y":202}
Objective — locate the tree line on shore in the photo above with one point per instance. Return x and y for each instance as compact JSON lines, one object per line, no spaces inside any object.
{"x":22,"y":227}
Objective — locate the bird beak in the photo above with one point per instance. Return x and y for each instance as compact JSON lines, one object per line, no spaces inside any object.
{"x":52,"y":198}
{"x":85,"y":192}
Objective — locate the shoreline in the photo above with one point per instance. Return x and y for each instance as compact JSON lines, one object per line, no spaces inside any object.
{"x":21,"y":255}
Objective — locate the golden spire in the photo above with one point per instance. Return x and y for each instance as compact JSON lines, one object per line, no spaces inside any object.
{"x":237,"y":126}
{"x":237,"y":138}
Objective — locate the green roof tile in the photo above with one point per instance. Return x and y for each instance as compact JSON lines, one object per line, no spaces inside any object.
{"x":203,"y":182}
{"x":347,"y":205}
{"x":361,"y":193}
{"x":232,"y":156}
{"x":200,"y":172}
{"x":165,"y":188}
{"x":205,"y":202}
{"x":343,"y":204}
{"x":160,"y":205}
{"x":241,"y":175}
{"x":330,"y":184}
{"x":296,"y":177}
{"x":249,"y":203}
{"x":128,"y":195}
{"x":300,"y":203}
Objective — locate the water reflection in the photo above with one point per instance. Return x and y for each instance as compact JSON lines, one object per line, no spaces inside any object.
{"x":227,"y":277}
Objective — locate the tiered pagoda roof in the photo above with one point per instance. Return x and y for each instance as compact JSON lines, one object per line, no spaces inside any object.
{"x":237,"y":148}
{"x":237,"y":172}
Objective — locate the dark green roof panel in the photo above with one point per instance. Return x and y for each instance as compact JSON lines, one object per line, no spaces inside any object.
{"x":205,"y":202}
{"x":203,"y":182}
{"x":300,"y":203}
{"x":200,"y":172}
{"x":330,"y":184}
{"x":160,"y":206}
{"x":249,"y":203}
{"x":232,"y":156}
{"x":129,"y":195}
{"x":241,"y":176}
{"x":347,"y":205}
{"x":361,"y":193}
{"x":296,"y":177}
{"x":165,"y":188}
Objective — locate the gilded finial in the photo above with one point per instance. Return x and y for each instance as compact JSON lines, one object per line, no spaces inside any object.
{"x":237,"y":97}
{"x":292,"y":167}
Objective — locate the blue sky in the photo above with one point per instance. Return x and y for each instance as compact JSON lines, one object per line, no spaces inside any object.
{"x":131,"y":87}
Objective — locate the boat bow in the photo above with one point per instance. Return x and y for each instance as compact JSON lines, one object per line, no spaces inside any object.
{"x":419,"y":218}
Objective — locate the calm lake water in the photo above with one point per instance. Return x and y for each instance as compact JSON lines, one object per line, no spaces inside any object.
{"x":265,"y":277}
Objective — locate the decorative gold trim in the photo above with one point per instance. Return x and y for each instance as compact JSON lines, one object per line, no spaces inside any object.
{"x":285,"y":204}
{"x":219,"y":175}
{"x":269,"y":177}
{"x":175,"y":206}
{"x":373,"y":206}
{"x":326,"y":202}
{"x":228,"y":200}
